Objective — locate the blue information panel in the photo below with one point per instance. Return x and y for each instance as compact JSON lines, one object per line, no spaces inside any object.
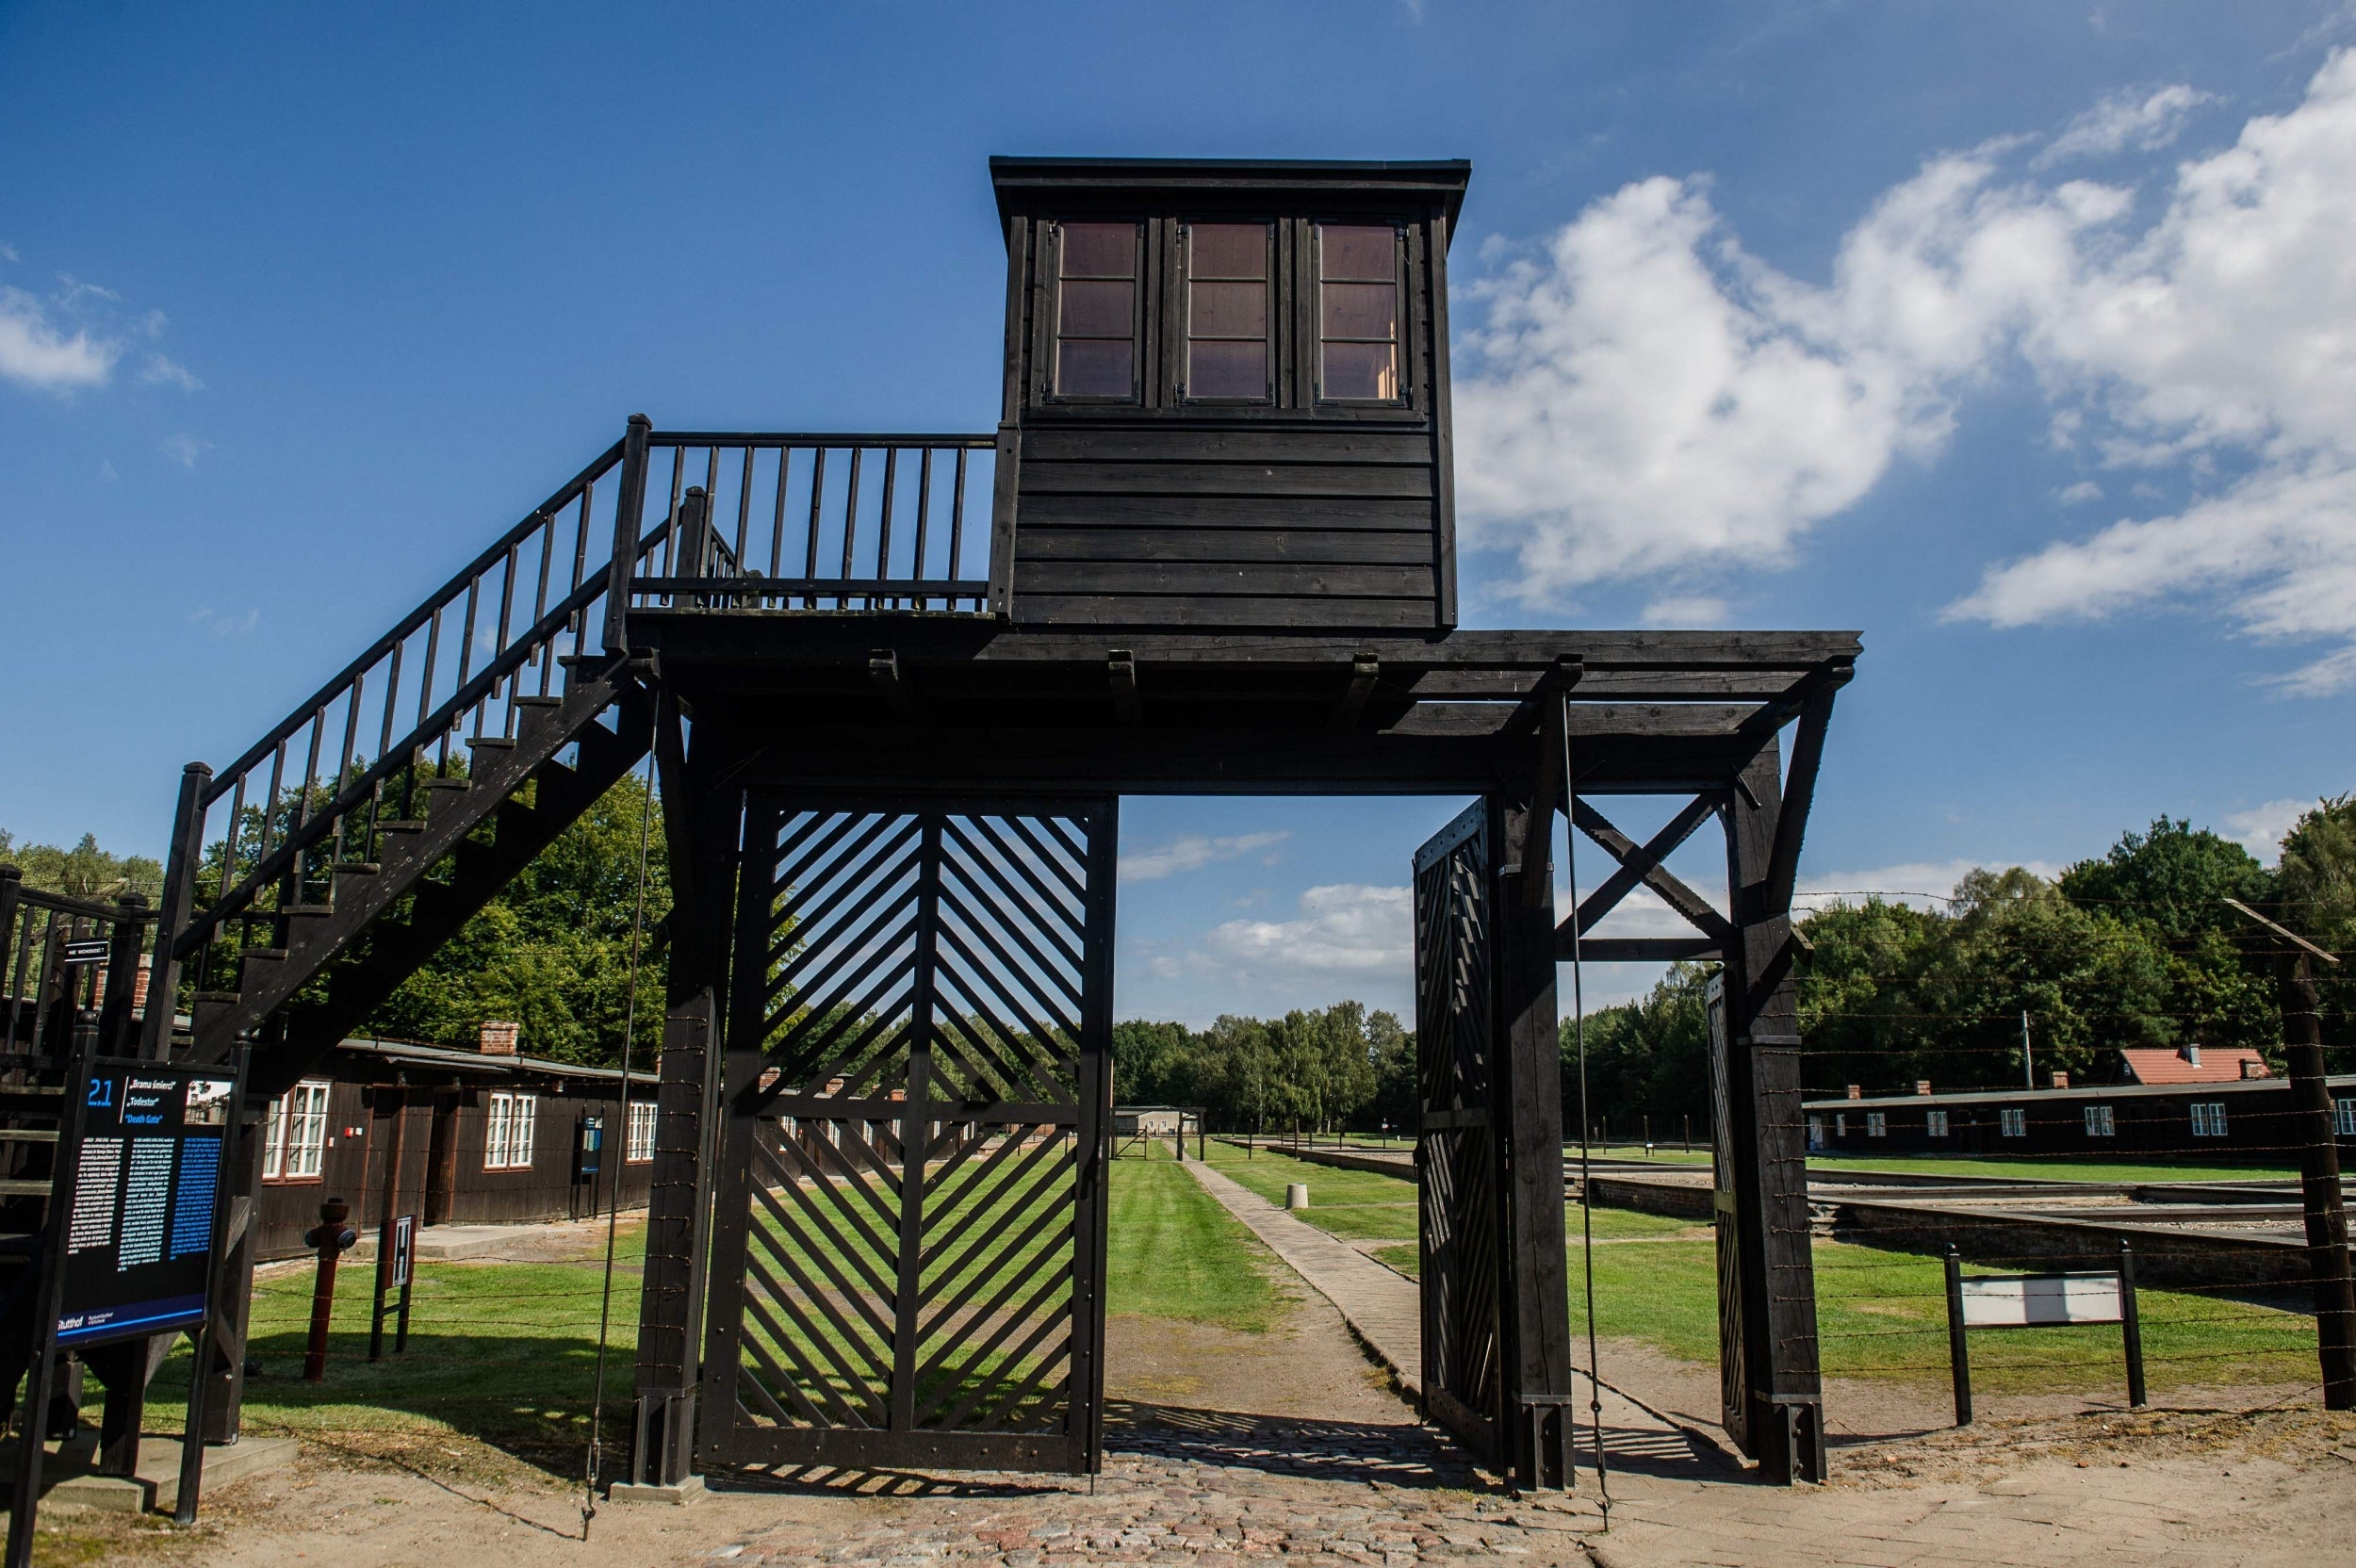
{"x":140,"y":1232}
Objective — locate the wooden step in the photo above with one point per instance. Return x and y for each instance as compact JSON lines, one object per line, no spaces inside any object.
{"x":448,"y":783}
{"x":28,"y":1135}
{"x":402,"y":824}
{"x":354,"y":868}
{"x":311,"y":911}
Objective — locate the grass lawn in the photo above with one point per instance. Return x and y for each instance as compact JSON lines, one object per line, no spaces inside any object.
{"x":507,"y":1352}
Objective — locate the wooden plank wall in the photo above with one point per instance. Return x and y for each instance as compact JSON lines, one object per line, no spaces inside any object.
{"x":1317,"y":526}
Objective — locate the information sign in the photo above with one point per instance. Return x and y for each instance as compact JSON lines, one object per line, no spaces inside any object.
{"x":2035,"y":1300}
{"x":404,"y":1249}
{"x":139,"y":1241}
{"x":83,"y":951}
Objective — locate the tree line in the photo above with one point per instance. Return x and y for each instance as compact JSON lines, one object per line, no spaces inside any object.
{"x":2134,"y":947}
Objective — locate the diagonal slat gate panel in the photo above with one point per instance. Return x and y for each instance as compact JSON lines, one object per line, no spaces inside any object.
{"x":908,"y":1263}
{"x":1462,"y":1170}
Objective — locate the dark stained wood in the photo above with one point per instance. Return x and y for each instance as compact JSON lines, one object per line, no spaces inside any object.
{"x":1633,"y":868}
{"x":1662,"y":882}
{"x":1410,"y":516}
{"x":1202,"y":578}
{"x":1257,"y":479}
{"x":1320,"y":547}
{"x":1634,"y":950}
{"x":1230,"y":610}
{"x":1782,"y":1384}
{"x":1808,"y":754}
{"x":1297,"y":445}
{"x":1364,"y":674}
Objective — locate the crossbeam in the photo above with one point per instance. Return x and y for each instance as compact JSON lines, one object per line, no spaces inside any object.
{"x":1665,"y":883}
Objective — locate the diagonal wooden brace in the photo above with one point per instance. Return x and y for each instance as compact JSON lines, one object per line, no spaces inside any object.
{"x":1671,"y":891}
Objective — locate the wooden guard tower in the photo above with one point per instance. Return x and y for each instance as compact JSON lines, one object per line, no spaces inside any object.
{"x":897,"y":685}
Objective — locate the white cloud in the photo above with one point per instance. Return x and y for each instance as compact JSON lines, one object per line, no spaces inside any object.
{"x":162,"y":372}
{"x":184,"y":448}
{"x":1343,"y":928}
{"x":41,"y":354}
{"x":1924,"y":884}
{"x":1192,"y":852}
{"x":225,"y":626}
{"x":2260,"y":829}
{"x":2084,"y":490}
{"x":1686,"y":610}
{"x":1647,"y":400}
{"x":2125,"y":121}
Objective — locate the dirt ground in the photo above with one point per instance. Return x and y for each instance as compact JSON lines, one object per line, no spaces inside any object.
{"x":1224,"y":1448}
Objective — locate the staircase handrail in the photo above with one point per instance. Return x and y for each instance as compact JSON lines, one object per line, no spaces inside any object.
{"x":448,"y":594}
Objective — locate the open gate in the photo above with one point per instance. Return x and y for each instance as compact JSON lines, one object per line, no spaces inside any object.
{"x":1461,"y":1209}
{"x":908,"y":1254}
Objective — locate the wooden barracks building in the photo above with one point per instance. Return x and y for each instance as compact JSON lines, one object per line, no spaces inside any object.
{"x":2224,"y":1105}
{"x":485,"y":1137}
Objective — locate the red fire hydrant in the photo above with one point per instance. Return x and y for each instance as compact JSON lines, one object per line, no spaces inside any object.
{"x":330,"y":1238}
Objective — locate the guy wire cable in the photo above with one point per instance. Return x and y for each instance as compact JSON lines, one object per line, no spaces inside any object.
{"x":613,"y":1214}
{"x":1586,"y":1188}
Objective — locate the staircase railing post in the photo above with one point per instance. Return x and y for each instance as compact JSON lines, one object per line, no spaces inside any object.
{"x":628,"y":513}
{"x":122,"y":963}
{"x":181,"y":863}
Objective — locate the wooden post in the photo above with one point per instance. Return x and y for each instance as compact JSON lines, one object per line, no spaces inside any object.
{"x":629,"y":505}
{"x":1783,"y":1396}
{"x":1958,"y":1354}
{"x":181,"y":862}
{"x":699,"y":826}
{"x":2319,"y":1184}
{"x":2131,"y":1326}
{"x":387,"y":1212}
{"x":1530,"y":1108}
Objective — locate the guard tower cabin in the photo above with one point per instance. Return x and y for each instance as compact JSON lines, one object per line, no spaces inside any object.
{"x":1226,"y":389}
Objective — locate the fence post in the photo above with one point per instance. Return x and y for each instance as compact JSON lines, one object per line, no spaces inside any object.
{"x":2131,"y":1323}
{"x":2319,"y":1184}
{"x":629,"y":507}
{"x":1958,"y":1358}
{"x":181,"y":862}
{"x":122,"y":963}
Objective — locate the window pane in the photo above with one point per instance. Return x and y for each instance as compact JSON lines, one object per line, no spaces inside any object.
{"x":1233,"y":369}
{"x":1359,"y":253}
{"x":1360,"y":309}
{"x":1229,"y":250}
{"x":1228,"y":310}
{"x":1086,"y":368}
{"x":1098,"y":310}
{"x":1366,"y":370}
{"x":1100,"y":250}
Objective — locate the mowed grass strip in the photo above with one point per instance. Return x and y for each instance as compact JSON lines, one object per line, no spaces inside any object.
{"x":1176,"y":1254}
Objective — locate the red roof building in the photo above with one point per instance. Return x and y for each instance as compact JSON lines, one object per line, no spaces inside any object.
{"x":2190,"y":1064}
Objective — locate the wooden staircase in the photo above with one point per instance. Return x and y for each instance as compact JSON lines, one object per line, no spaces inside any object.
{"x":344,"y":954}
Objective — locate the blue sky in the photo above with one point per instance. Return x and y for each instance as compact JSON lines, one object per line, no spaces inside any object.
{"x":2015,"y":336}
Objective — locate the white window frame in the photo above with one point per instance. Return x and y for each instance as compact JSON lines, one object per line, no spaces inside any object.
{"x":2344,"y":1117}
{"x":2101,"y":1123}
{"x":1840,"y":1124}
{"x":2208,"y":1119}
{"x":509,"y":1121}
{"x":638,"y":1142}
{"x":1934,"y":1123}
{"x":2012,"y":1122}
{"x":1877,"y":1124}
{"x":294,"y":1147}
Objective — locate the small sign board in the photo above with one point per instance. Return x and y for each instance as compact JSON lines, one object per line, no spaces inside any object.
{"x":404,"y":1249}
{"x":83,"y":950}
{"x":2040,"y":1300}
{"x":139,"y":1241}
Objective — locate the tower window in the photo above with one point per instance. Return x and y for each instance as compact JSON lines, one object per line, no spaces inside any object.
{"x":1096,"y":311}
{"x":1357,"y":313}
{"x":1227,"y":311}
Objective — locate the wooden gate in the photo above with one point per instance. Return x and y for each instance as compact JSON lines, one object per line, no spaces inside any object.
{"x":908,"y":1254}
{"x":1461,"y":1226}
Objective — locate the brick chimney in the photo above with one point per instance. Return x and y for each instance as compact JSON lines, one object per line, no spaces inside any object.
{"x":2252,"y":1068}
{"x":2061,"y":1079}
{"x":1921,"y":1086}
{"x":497,"y":1038}
{"x":1856,"y":1091}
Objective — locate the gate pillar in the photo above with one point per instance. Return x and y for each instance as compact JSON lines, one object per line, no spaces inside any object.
{"x":700,"y":824}
{"x":1767,"y":1325}
{"x":1496,"y":1362}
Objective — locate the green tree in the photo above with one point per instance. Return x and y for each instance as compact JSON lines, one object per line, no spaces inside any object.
{"x":85,"y":871}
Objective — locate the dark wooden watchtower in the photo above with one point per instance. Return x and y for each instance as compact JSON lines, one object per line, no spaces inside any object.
{"x":1227,"y":392}
{"x":896,"y":686}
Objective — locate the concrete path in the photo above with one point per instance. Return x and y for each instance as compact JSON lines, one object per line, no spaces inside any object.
{"x":1383,"y":1308}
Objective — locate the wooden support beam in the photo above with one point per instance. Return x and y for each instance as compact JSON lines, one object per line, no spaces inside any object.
{"x":1553,"y":781}
{"x":1364,"y":670}
{"x":1631,"y":950}
{"x":1807,"y":755}
{"x":1632,"y":871}
{"x":1672,"y":891}
{"x":883,"y":669}
{"x":1121,"y":668}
